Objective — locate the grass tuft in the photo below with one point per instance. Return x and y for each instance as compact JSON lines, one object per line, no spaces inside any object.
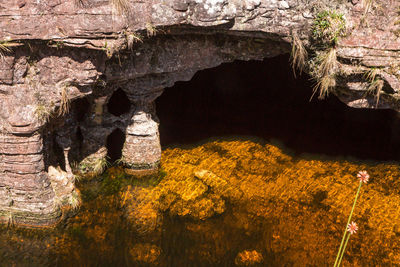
{"x":74,"y":200}
{"x":324,"y":85}
{"x":94,"y":166}
{"x":323,"y":72}
{"x":328,"y":62}
{"x":100,"y":165}
{"x":5,"y":47}
{"x":375,"y":84}
{"x":151,"y":30}
{"x":299,"y":54}
{"x":43,"y":113}
{"x":121,"y":7}
{"x":65,"y":102}
{"x":367,"y":6}
{"x":131,"y":38}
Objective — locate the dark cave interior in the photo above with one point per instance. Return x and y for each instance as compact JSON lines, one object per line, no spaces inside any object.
{"x":115,"y":142}
{"x":119,"y":103}
{"x":265,"y":99}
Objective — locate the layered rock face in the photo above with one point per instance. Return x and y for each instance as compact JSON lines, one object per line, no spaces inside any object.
{"x":63,"y":61}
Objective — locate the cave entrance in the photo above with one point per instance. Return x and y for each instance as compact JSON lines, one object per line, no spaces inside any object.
{"x":115,"y":143}
{"x":264,"y":99}
{"x":119,"y":103}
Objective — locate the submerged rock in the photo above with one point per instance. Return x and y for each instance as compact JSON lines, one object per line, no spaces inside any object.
{"x":249,"y":258}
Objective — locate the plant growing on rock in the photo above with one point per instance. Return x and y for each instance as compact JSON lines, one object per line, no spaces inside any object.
{"x":42,"y":113}
{"x":5,"y":47}
{"x":351,"y":228}
{"x":299,"y":54}
{"x":65,"y":102}
{"x":151,"y":29}
{"x":131,"y":38}
{"x":375,"y":84}
{"x":367,"y":6}
{"x":120,"y":6}
{"x":96,"y":166}
{"x":328,"y":27}
{"x":74,"y":200}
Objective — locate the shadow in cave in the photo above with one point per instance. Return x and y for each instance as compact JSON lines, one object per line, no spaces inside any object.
{"x":115,"y":142}
{"x":119,"y":103}
{"x":264,"y":99}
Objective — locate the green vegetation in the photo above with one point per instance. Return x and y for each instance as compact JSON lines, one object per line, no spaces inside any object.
{"x":350,"y":228}
{"x":42,"y":113}
{"x":131,"y":38}
{"x":74,"y":200}
{"x":151,"y":29}
{"x":43,"y":110}
{"x":108,"y":49}
{"x":114,"y":180}
{"x":95,"y":166}
{"x":328,"y":27}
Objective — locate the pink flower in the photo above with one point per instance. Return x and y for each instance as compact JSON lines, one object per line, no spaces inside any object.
{"x":352,"y":228}
{"x":364,"y":176}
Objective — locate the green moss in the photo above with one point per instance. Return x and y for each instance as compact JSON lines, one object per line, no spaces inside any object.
{"x":141,"y":166}
{"x":115,"y":179}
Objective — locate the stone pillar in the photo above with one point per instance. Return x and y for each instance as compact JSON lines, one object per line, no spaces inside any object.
{"x":142,"y":149}
{"x":26,"y":194}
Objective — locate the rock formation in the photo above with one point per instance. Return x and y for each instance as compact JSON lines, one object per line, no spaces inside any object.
{"x":63,"y":60}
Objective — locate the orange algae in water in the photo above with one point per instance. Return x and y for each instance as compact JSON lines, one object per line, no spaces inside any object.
{"x":306,"y":200}
{"x":230,"y":202}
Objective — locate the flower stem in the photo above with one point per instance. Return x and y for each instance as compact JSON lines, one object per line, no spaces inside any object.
{"x":345,"y":229}
{"x":344,"y":248}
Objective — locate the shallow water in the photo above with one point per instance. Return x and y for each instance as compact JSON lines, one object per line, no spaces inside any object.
{"x":228,"y":202}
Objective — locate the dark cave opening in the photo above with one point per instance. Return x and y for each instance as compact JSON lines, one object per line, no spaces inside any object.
{"x":119,"y":103}
{"x":115,"y":143}
{"x":58,"y":154}
{"x":264,"y":99}
{"x":81,"y":107}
